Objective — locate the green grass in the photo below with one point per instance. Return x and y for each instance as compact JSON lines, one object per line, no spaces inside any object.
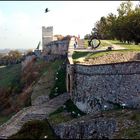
{"x":69,"y":107}
{"x":60,"y":80}
{"x":9,"y":74}
{"x":136,"y":117}
{"x":5,"y":118}
{"x":49,"y":66}
{"x":86,"y":43}
{"x":77,"y":55}
{"x":64,"y":114}
{"x":97,"y":54}
{"x":89,"y":55}
{"x":35,"y":130}
{"x":132,"y":132}
{"x":103,"y":43}
{"x":59,"y":118}
{"x":117,"y":42}
{"x":131,"y":47}
{"x":49,"y":74}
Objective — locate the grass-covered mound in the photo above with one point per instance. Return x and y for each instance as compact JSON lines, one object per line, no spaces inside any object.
{"x":65,"y":113}
{"x":10,"y":76}
{"x":35,"y":130}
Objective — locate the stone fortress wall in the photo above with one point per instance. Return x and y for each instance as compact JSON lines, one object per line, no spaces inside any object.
{"x":57,"y":47}
{"x":53,"y":48}
{"x":99,"y":87}
{"x":52,"y":44}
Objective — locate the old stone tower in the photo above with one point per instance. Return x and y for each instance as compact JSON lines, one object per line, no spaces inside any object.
{"x":47,"y":35}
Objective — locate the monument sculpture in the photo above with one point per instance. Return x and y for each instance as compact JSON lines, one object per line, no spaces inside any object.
{"x":94,"y":39}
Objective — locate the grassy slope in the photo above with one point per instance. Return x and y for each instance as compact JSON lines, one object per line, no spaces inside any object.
{"x":35,"y":130}
{"x":8,"y":74}
{"x":11,"y":73}
{"x":87,"y":55}
{"x":38,"y":129}
{"x":4,"y":119}
{"x":103,"y":43}
{"x":125,"y":45}
{"x":60,"y":79}
{"x":133,"y":131}
{"x":65,"y":113}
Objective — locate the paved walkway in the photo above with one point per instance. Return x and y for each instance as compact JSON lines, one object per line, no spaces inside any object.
{"x":31,"y":113}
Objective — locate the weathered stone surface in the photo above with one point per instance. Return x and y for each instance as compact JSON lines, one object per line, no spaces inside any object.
{"x":97,"y":86}
{"x":116,"y":68}
{"x":40,"y":100}
{"x":57,"y":47}
{"x":95,"y":126}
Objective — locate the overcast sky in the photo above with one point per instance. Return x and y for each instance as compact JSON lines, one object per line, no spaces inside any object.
{"x":21,"y":21}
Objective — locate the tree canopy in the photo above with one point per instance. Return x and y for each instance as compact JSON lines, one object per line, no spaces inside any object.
{"x":125,"y":26}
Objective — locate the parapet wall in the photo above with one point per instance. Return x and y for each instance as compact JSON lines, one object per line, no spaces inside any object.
{"x":106,"y":86}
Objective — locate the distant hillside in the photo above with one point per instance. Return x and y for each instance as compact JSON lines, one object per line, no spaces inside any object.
{"x":16,"y":86}
{"x":5,"y":51}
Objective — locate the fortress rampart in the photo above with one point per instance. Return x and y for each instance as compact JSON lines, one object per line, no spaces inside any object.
{"x":99,"y":87}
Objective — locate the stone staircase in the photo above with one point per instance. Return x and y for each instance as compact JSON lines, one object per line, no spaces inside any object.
{"x":36,"y":112}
